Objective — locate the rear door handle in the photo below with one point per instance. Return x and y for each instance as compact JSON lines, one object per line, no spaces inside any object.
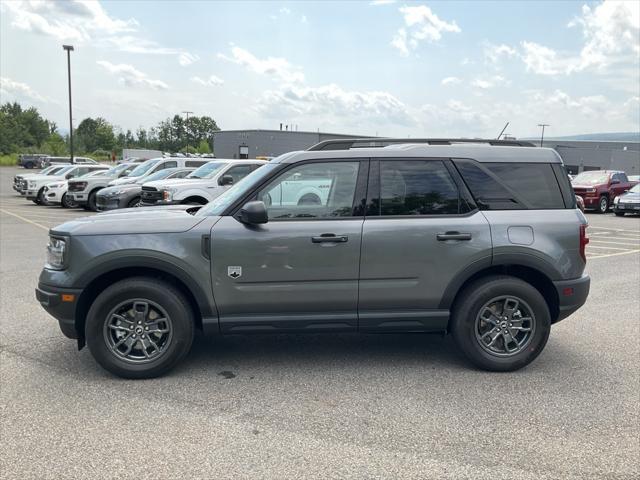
{"x":443,"y":237}
{"x":330,"y":238}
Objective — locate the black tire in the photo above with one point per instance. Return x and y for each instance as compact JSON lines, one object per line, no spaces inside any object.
{"x":603,"y":204}
{"x":40,"y":200}
{"x":176,"y":308}
{"x":470,"y":305}
{"x":619,"y":214}
{"x":135,"y":202}
{"x":66,"y":202}
{"x":91,"y":201}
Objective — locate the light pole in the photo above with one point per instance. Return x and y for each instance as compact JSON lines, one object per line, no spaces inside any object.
{"x":69,"y":49}
{"x":542,"y":135}
{"x":187,"y":128}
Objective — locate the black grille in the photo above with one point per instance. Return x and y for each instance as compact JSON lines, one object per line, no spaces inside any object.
{"x":77,"y":186}
{"x":150,"y":195}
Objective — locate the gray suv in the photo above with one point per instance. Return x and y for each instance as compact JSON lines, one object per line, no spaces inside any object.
{"x":481,"y":240}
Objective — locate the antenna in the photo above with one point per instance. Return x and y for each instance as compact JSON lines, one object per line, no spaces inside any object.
{"x":505,"y":127}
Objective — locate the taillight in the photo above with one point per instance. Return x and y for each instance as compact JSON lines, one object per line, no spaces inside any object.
{"x":583,"y":242}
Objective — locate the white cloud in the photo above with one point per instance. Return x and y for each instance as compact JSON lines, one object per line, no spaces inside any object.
{"x":130,"y":76}
{"x":303,"y":19}
{"x":273,"y":66}
{"x":67,"y":20}
{"x":11,"y":88}
{"x":285,"y":11}
{"x":212,"y":81}
{"x":611,"y":33}
{"x":332,"y":101}
{"x":186,"y":58}
{"x":451,"y":81}
{"x":485,"y":83}
{"x":421,"y":24}
{"x":494,"y":53}
{"x":381,"y":2}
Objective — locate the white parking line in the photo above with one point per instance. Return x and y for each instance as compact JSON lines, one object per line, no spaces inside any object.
{"x":608,"y":248}
{"x":633,"y":244}
{"x":612,"y":254}
{"x":24,"y":219}
{"x":615,"y":229}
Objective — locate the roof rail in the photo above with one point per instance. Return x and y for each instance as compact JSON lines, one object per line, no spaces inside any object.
{"x":342,"y":144}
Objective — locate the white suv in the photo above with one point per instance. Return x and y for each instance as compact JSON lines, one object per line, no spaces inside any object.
{"x":55,"y":193}
{"x":36,"y":184}
{"x":201,"y":186}
{"x":155,"y":165}
{"x":83,"y":191}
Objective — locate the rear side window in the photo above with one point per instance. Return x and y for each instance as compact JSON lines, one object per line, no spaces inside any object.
{"x":194,"y":163}
{"x":512,"y":186}
{"x":418,"y":187}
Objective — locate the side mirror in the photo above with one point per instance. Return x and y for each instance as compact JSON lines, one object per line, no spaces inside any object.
{"x":225,"y":180}
{"x":615,"y":181}
{"x":254,"y":213}
{"x":68,"y":176}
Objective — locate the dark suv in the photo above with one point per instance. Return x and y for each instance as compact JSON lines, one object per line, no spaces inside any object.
{"x":481,"y":240}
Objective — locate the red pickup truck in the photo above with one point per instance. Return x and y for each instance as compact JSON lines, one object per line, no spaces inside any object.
{"x":598,"y":188}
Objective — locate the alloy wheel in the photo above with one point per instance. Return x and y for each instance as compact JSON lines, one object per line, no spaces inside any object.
{"x":138,"y":331}
{"x":505,"y":326}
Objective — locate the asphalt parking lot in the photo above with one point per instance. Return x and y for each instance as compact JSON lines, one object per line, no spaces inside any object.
{"x":332,"y":406}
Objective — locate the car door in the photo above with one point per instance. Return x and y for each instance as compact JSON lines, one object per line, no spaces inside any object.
{"x":620,"y":187}
{"x":299,"y":271}
{"x":421,"y":231}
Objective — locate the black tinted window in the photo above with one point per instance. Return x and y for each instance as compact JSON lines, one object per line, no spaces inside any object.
{"x":418,"y":187}
{"x":194,"y":163}
{"x":509,"y":186}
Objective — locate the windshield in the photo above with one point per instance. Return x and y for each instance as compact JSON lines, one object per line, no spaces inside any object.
{"x":207,"y":170}
{"x":220,"y":203}
{"x":635,"y":188}
{"x":53,"y":170}
{"x":144,"y":167}
{"x":157,"y":175}
{"x":591,"y":178}
{"x":64,"y":169}
{"x":119,"y":168}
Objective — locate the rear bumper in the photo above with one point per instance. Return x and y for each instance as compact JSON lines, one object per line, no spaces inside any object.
{"x":64,"y":311}
{"x":572,"y":294}
{"x":627,"y":207}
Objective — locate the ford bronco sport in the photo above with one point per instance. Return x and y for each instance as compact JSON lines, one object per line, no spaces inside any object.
{"x":478,"y":239}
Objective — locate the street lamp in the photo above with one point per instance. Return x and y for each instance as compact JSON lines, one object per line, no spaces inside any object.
{"x":69,"y":49}
{"x":542,"y":135}
{"x":187,"y":128}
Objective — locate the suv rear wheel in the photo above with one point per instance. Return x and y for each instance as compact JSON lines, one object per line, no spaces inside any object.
{"x":139,"y":328}
{"x":501,"y":323}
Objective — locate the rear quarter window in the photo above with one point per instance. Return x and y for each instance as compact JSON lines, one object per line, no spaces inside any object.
{"x":512,"y":186}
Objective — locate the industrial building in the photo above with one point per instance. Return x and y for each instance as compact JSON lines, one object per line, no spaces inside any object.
{"x":577,"y":155}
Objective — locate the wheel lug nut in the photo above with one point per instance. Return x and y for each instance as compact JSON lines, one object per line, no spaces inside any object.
{"x":131,"y":327}
{"x":142,"y":336}
{"x":139,"y":322}
{"x":146,"y":328}
{"x":134,"y":335}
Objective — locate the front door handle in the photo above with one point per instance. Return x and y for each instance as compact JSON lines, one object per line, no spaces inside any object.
{"x":443,"y":237}
{"x":330,"y":238}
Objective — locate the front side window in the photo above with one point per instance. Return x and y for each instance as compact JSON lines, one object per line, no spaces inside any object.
{"x":418,"y":187}
{"x":238,"y":172}
{"x":312,"y":190}
{"x":144,"y":168}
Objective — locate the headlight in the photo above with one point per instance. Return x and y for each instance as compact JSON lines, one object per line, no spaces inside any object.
{"x":591,"y":190}
{"x":616,"y":200}
{"x":56,"y":251}
{"x":167,"y":195}
{"x":55,"y":185}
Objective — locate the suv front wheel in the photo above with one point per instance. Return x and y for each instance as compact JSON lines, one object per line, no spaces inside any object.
{"x":139,"y":328}
{"x":603,"y":204}
{"x":501,"y":323}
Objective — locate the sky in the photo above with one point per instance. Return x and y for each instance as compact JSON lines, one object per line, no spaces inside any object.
{"x":381,"y":67}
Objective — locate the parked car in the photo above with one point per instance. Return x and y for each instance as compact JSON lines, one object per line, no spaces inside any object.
{"x":628,"y":202}
{"x":128,"y":195}
{"x":410,"y":238}
{"x":154,"y":165}
{"x":55,"y":193}
{"x":201,"y":186}
{"x":580,"y":203}
{"x":84,"y":191}
{"x":634,"y":178}
{"x":20,"y":181}
{"x":35,"y":160}
{"x":36,"y":184}
{"x":598,"y":188}
{"x":67,"y":160}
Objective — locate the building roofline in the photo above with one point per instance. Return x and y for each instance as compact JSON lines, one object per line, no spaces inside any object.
{"x":346,"y":135}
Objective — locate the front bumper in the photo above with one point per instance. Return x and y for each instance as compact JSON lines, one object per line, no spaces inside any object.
{"x":572,"y":294}
{"x":627,"y":207}
{"x":53,"y":195}
{"x":62,"y":309}
{"x":110,"y":203}
{"x":590,"y":202}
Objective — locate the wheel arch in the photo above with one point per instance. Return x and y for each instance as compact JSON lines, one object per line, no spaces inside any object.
{"x":141,"y":267}
{"x":540,"y":279}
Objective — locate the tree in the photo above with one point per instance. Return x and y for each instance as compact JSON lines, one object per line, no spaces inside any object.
{"x":20,"y":129}
{"x":203,"y":147}
{"x":55,"y":145}
{"x":95,"y":134}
